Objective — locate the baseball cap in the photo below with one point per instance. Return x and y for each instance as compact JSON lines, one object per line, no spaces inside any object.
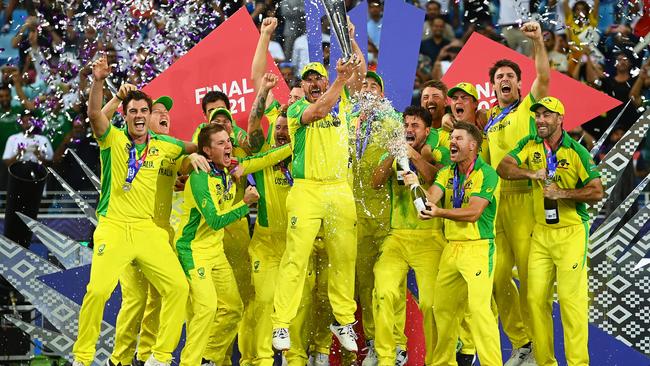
{"x":378,"y":79}
{"x":465,"y":87}
{"x":166,"y":101}
{"x":223,"y":111}
{"x":316,"y":67}
{"x":551,"y":103}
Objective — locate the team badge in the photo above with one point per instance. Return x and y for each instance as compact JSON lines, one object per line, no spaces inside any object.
{"x":256,"y":266}
{"x":537,"y":157}
{"x":154,"y":151}
{"x":294,"y":220}
{"x":478,"y":273}
{"x":201,"y":272}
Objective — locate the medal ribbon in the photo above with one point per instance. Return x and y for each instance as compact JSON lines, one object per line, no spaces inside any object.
{"x":363,"y":144}
{"x":459,"y":189}
{"x":551,"y":158}
{"x":287,"y":173}
{"x":504,"y":112}
{"x":134,"y":164}
{"x":224,"y":179}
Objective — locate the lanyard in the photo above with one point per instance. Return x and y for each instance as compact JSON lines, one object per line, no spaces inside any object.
{"x":227,"y":183}
{"x":551,"y":158}
{"x":363,"y":144}
{"x":134,"y":164}
{"x":504,"y":112}
{"x":459,"y":189}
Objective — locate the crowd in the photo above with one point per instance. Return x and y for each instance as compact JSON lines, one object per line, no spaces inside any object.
{"x":490,"y":200}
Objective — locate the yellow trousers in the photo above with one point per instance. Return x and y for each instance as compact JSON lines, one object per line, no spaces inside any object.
{"x":117,"y":244}
{"x":214,"y":309}
{"x":321,"y":311}
{"x":465,"y":277}
{"x":371,"y":232}
{"x":309,"y":205}
{"x":139,"y":313}
{"x":401,"y":250}
{"x":514,"y":225}
{"x":559,"y":254}
{"x":266,"y":251}
{"x":235,"y":244}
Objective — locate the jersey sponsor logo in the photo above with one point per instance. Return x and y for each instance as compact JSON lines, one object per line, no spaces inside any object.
{"x":537,"y":157}
{"x":450,"y":183}
{"x":166,"y":172}
{"x":575,"y":265}
{"x":327,"y":123}
{"x":500,"y":126}
{"x":256,"y":266}
{"x":127,"y":147}
{"x":201,"y":272}
{"x":148,"y":164}
{"x":154,"y":151}
{"x":100,"y":249}
{"x":281,"y":181}
{"x":564,"y":164}
{"x":294,"y":221}
{"x":478,"y":273}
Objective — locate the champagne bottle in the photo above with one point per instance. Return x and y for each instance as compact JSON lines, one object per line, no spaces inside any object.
{"x":551,"y":211}
{"x":419,"y":197}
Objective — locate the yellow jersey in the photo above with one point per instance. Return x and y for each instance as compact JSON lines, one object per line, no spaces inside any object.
{"x":483,"y":182}
{"x":371,"y":203}
{"x":143,"y":199}
{"x":575,"y":169}
{"x":272,"y":112}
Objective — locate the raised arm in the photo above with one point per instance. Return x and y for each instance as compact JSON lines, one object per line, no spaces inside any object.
{"x":255,"y":132}
{"x":98,"y":121}
{"x":109,"y":109}
{"x":355,"y":83}
{"x":319,"y":109}
{"x":258,"y":68}
{"x":533,"y":31}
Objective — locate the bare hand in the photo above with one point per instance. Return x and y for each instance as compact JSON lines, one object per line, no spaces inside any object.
{"x":411,"y":153}
{"x":539,"y":174}
{"x":101,"y":70}
{"x":179,"y":185}
{"x":430,"y":213}
{"x":199,"y":162}
{"x":410,"y":178}
{"x":448,"y":122}
{"x":268,"y":26}
{"x":532,"y":30}
{"x":251,"y":195}
{"x":553,"y":192}
{"x":269,"y":81}
{"x":347,"y":70}
{"x":351,"y":28}
{"x":125,"y":89}
{"x":33,"y":38}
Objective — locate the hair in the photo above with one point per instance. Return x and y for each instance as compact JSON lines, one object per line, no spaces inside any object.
{"x":434,"y":2}
{"x":505,"y":63}
{"x":213,"y":96}
{"x":472,"y":130}
{"x":205,"y":136}
{"x":419,"y":112}
{"x":439,"y":17}
{"x":584,"y":3}
{"x":136,"y":95}
{"x":438,"y":84}
{"x":294,"y":83}
{"x":6,"y":87}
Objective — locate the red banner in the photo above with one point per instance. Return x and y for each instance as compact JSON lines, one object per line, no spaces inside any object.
{"x":221,"y":61}
{"x":582,"y":103}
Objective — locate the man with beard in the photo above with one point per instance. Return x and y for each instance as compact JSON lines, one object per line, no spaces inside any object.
{"x":127,"y":230}
{"x":470,"y":188}
{"x":563,"y":172}
{"x":411,"y":243}
{"x":434,"y":99}
{"x":508,"y":122}
{"x":321,"y":196}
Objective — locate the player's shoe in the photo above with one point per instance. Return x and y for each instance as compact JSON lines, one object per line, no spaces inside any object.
{"x":281,"y":341}
{"x":520,"y":355}
{"x":151,"y":361}
{"x":346,"y":336}
{"x":371,"y":355}
{"x":401,"y":356}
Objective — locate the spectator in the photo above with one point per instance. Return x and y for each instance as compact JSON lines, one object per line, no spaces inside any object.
{"x":9,"y":125}
{"x":558,"y":60}
{"x":582,"y":21}
{"x":286,"y":69}
{"x":375,"y":10}
{"x":619,"y":86}
{"x":79,"y":139}
{"x":28,"y":145}
{"x":431,"y":47}
{"x":433,"y":10}
{"x":512,"y":13}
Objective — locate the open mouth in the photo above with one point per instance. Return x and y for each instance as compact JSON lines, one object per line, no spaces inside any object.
{"x":139,"y":124}
{"x":315,"y":93}
{"x":453,"y":149}
{"x":431,"y":107}
{"x":410,"y":137}
{"x":506,"y":88}
{"x":227,"y":156}
{"x":460,"y":110}
{"x":164,"y":123}
{"x":542,"y":130}
{"x":281,"y":140}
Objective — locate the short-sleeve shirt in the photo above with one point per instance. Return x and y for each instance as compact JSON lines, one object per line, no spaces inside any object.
{"x":139,"y":201}
{"x":320,"y":148}
{"x":483,"y":182}
{"x":504,"y":136}
{"x":575,"y":169}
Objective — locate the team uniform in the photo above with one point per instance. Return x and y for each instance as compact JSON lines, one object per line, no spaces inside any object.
{"x":216,"y":308}
{"x":140,"y":309}
{"x":127,"y":231}
{"x":515,"y":221}
{"x":411,"y":243}
{"x":559,"y":251}
{"x":466,"y":269}
{"x":235,"y":242}
{"x":320,"y":196}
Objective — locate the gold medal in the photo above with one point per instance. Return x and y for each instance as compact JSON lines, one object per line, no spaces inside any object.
{"x":126,"y":186}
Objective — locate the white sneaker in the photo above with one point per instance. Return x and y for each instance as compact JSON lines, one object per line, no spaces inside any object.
{"x":530,"y":360}
{"x":205,"y":362}
{"x":401,"y":356}
{"x":518,"y":356}
{"x":153,"y":362}
{"x":281,"y":341}
{"x":346,"y":336}
{"x":371,"y":356}
{"x":321,"y":359}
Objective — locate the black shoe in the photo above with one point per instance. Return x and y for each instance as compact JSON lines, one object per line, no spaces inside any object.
{"x":137,"y":362}
{"x":464,"y":360}
{"x":110,"y":363}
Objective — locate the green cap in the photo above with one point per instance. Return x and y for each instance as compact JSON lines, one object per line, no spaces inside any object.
{"x":464,"y":87}
{"x":550,"y":103}
{"x":166,"y":101}
{"x":223,"y":111}
{"x":316,"y":67}
{"x":378,"y":79}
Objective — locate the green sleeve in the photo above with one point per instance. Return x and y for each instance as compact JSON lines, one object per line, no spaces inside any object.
{"x":176,"y":146}
{"x":260,"y":161}
{"x":588,"y":169}
{"x":520,"y":153}
{"x":433,"y":139}
{"x":295,"y":111}
{"x":488,"y":185}
{"x":442,"y":155}
{"x":195,"y":135}
{"x":205,"y":203}
{"x":273,"y":107}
